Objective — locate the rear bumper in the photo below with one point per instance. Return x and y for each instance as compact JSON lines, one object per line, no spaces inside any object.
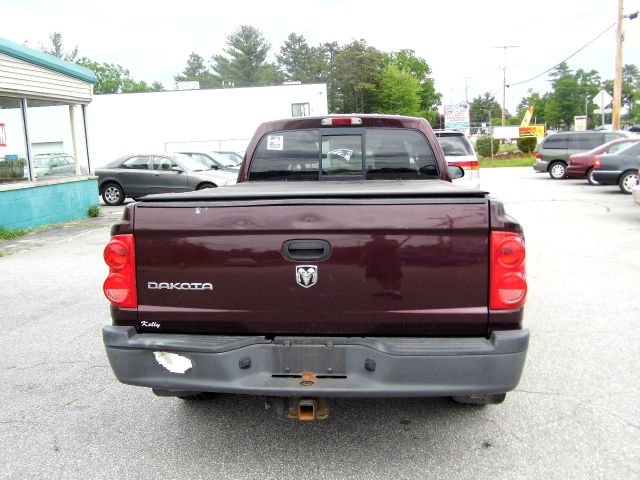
{"x":342,"y":367}
{"x":606,"y":177}
{"x":541,"y":166}
{"x":577,"y":171}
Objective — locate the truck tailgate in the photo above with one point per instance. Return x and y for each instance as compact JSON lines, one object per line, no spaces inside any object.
{"x":410,"y":265}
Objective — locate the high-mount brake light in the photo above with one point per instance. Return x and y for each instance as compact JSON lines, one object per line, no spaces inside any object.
{"x":596,"y":163}
{"x":340,"y":121}
{"x":120,"y":285}
{"x":508,"y":280}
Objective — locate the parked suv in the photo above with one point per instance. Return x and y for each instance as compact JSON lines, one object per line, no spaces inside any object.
{"x":552,"y":154}
{"x":458,"y":151}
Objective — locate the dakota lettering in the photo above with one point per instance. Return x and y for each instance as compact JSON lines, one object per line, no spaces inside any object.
{"x":179,"y":286}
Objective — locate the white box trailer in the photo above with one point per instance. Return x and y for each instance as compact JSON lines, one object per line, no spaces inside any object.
{"x":192,"y":120}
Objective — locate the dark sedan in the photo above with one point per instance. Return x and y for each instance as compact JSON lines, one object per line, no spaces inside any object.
{"x":581,"y":164}
{"x":139,"y":175}
{"x":620,"y":168}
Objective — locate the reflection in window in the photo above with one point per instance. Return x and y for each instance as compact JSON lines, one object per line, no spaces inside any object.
{"x":342,"y":155}
{"x":57,"y":149}
{"x":13,"y":147}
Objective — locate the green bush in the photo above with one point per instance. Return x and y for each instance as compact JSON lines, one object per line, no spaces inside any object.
{"x":94,"y":211}
{"x":12,"y":168}
{"x":527,"y":144}
{"x":483,"y":146}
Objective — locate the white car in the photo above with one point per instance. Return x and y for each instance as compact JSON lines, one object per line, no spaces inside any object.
{"x":458,"y":151}
{"x":635,"y":191}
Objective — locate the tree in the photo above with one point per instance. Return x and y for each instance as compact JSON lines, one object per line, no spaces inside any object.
{"x":300,"y":62}
{"x":537,"y":102}
{"x":418,"y":68}
{"x":399,"y":92}
{"x":484,"y":107}
{"x":356,"y":71}
{"x":157,"y":87}
{"x":196,"y":70}
{"x":565,"y":101}
{"x":245,"y":64}
{"x":57,"y":49}
{"x":112,"y":78}
{"x":630,"y":91}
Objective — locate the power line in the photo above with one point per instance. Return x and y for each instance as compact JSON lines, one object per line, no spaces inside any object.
{"x":572,"y":55}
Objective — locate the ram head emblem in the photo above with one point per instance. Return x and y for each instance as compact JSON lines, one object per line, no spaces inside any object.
{"x":306,"y":275}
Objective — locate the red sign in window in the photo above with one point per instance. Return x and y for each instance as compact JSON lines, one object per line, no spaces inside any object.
{"x":3,"y":135}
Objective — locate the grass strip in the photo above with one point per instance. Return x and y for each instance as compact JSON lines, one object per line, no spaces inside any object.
{"x":8,"y":234}
{"x":507,"y":162}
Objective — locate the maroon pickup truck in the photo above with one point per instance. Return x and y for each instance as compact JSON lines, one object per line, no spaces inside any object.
{"x":343,"y":264}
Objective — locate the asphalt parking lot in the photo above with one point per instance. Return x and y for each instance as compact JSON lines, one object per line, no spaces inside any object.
{"x":574,"y":415}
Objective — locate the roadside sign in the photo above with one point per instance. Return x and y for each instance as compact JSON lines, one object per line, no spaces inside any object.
{"x":532,"y":131}
{"x":456,"y":116}
{"x":580,"y":123}
{"x":602,"y":98}
{"x":602,"y":110}
{"x":3,"y":135}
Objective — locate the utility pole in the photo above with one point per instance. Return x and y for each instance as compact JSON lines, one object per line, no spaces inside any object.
{"x":466,"y":89}
{"x":504,"y":76}
{"x":617,"y":83}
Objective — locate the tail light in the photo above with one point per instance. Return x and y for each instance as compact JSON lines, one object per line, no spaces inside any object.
{"x":596,"y":163}
{"x":120,"y":285}
{"x":508,"y":281}
{"x":471,"y":165}
{"x":538,"y":156}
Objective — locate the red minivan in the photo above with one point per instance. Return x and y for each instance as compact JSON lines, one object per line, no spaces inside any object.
{"x":581,"y":164}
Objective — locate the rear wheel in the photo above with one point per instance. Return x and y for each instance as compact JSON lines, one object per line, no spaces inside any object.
{"x":558,"y":170}
{"x":481,"y":399}
{"x":112,"y":194}
{"x":202,"y":186}
{"x":627,"y":181}
{"x":590,"y":178}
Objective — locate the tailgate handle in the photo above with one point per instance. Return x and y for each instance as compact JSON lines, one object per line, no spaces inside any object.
{"x":297,"y":250}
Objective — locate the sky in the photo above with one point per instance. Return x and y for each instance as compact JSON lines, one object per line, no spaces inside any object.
{"x":458,"y":38}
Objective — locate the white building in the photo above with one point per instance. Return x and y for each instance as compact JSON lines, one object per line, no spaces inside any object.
{"x":192,"y":120}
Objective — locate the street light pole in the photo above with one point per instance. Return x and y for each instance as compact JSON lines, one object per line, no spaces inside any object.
{"x":504,"y":77}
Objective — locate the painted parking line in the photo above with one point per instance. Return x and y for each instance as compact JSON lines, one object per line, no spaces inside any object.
{"x":71,"y":238}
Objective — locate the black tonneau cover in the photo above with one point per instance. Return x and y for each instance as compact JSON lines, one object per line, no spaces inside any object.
{"x":323,"y":190}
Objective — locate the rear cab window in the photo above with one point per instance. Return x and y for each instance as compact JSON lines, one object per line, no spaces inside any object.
{"x":334,"y":154}
{"x":455,"y":145}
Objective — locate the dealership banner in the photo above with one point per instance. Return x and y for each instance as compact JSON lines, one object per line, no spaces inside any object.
{"x":532,"y":131}
{"x":456,"y":116}
{"x":3,"y":135}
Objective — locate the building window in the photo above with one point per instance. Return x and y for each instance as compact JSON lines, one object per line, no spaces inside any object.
{"x":300,"y":110}
{"x":56,"y":139}
{"x":13,"y":147}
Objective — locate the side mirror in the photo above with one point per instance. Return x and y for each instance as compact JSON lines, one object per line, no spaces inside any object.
{"x":455,"y":172}
{"x":177,"y":169}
